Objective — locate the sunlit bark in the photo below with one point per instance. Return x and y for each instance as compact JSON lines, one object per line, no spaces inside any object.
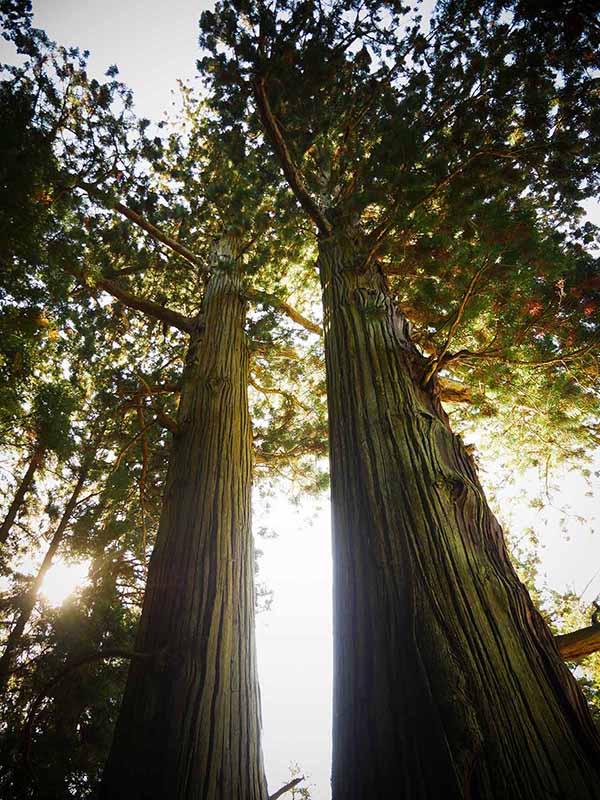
{"x":447,"y":682}
{"x":189,"y":727}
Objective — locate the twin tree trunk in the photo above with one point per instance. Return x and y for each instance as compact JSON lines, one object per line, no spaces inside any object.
{"x":447,"y":682}
{"x":189,"y":727}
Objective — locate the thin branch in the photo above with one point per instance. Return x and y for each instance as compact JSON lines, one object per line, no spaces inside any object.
{"x":30,"y":597}
{"x":162,"y":418}
{"x":453,"y":391}
{"x":151,"y":390}
{"x":35,"y":462}
{"x":378,"y":235}
{"x":271,"y":300}
{"x":124,"y":271}
{"x":273,"y":351}
{"x":493,"y":355}
{"x":166,"y":421}
{"x":131,"y":442}
{"x":270,"y":390}
{"x":142,"y":223}
{"x":148,"y":307}
{"x":287,"y":788}
{"x":438,"y":360}
{"x":557,"y":360}
{"x":314,"y":448}
{"x":290,"y":170}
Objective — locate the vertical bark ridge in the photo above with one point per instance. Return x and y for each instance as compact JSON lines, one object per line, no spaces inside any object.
{"x":189,"y":725}
{"x":447,"y":681}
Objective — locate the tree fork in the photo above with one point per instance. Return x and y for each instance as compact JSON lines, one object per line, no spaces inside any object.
{"x":447,"y":680}
{"x":189,"y":729}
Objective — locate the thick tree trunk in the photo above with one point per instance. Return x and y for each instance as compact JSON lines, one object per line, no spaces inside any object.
{"x":447,"y":682}
{"x":11,"y":515}
{"x":189,"y":727}
{"x":13,"y":643}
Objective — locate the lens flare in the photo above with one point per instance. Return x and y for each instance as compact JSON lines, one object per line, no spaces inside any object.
{"x":62,"y":579}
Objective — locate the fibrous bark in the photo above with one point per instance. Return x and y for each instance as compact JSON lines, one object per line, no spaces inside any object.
{"x":447,"y":682}
{"x":190,"y":721}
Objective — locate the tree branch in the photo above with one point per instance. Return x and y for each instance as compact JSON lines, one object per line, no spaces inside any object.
{"x":36,"y":460}
{"x":453,"y":391}
{"x":273,"y":351}
{"x":557,"y":360}
{"x":131,"y":442}
{"x":148,"y":307}
{"x":290,"y":170}
{"x":315,"y":448}
{"x":494,"y":355}
{"x":377,"y":236}
{"x":108,"y":202}
{"x":288,"y":787}
{"x":166,"y":421}
{"x":151,"y":390}
{"x":270,"y":390}
{"x":28,"y":602}
{"x":578,"y":644}
{"x":271,"y":300}
{"x":438,"y":360}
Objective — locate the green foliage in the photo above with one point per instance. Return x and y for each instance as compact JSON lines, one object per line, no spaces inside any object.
{"x":65,"y":753}
{"x":444,"y":150}
{"x":51,"y":415}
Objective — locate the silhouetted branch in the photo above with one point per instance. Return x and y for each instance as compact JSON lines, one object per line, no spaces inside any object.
{"x":148,"y":307}
{"x":290,"y":170}
{"x":273,"y":301}
{"x":288,"y":787}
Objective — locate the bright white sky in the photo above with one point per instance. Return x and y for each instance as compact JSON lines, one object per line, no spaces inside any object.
{"x":153,"y":43}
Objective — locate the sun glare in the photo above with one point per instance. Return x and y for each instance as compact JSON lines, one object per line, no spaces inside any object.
{"x":62,"y":579}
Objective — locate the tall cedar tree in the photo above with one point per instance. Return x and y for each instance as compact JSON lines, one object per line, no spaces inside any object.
{"x":189,"y":726}
{"x":196,"y":683}
{"x":446,"y":679}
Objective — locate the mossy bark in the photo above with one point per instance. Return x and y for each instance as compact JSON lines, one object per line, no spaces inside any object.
{"x":189,"y":727}
{"x":447,"y":682}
